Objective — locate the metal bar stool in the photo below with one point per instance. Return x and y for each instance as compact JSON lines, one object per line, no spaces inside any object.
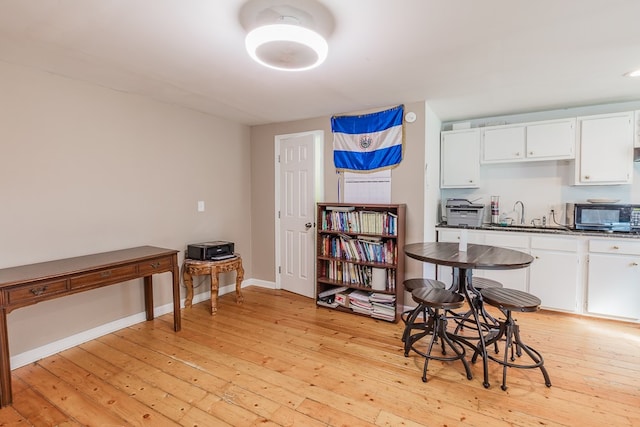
{"x":508,"y":300}
{"x":477,"y":283}
{"x":410,"y":317}
{"x":437,"y":302}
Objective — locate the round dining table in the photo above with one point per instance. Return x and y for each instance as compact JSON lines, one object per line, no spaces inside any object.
{"x":463,"y":262}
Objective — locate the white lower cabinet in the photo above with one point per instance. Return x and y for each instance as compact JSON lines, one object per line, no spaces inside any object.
{"x":614,"y":278}
{"x":514,"y":279}
{"x":572,"y":273}
{"x":555,"y":272}
{"x":445,"y":274}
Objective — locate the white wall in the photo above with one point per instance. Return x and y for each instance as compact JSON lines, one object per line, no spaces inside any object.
{"x":84,"y":169}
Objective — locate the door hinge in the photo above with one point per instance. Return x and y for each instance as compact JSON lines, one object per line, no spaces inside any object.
{"x":279,"y":270}
{"x":278,"y":214}
{"x":278,"y":158}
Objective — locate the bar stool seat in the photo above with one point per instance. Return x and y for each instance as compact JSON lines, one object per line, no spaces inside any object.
{"x":438,"y":301}
{"x":483,"y":283}
{"x":507,"y":301}
{"x":410,"y":317}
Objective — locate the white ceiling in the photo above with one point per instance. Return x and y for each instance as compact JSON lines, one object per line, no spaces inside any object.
{"x":466,"y":58}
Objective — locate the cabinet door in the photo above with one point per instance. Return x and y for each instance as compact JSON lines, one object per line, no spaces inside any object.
{"x":514,"y":279}
{"x":551,"y":140}
{"x":503,"y":144}
{"x":460,"y":159}
{"x":606,"y":149}
{"x":445,"y":274}
{"x":636,"y":134}
{"x":555,"y":272}
{"x":614,"y":285}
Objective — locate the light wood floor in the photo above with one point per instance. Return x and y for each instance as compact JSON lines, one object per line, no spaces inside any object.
{"x":279,"y":360}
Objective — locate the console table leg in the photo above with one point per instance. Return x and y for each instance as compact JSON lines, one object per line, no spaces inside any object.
{"x":175,"y":275}
{"x":5,"y":364}
{"x":148,"y":297}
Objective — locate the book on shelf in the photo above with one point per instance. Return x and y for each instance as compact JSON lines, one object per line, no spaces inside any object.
{"x":325,"y":303}
{"x":332,"y":291}
{"x":340,"y":208}
{"x":346,"y":219}
{"x":342,"y":298}
{"x":382,"y":298}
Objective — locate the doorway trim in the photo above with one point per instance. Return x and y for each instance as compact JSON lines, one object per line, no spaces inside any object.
{"x":318,"y":176}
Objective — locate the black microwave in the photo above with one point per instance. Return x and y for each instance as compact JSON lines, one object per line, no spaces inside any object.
{"x":603,"y":217}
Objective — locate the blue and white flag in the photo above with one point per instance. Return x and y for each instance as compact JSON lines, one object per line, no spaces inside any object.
{"x":368,"y":142}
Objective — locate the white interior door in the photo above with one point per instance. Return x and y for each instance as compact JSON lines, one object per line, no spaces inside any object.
{"x":297,"y":194}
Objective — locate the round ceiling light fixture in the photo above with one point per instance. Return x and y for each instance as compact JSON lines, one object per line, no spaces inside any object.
{"x":634,"y":73}
{"x":287,"y":35}
{"x":286,"y":46}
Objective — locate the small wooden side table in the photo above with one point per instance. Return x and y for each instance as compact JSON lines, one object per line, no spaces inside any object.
{"x":193,"y":267}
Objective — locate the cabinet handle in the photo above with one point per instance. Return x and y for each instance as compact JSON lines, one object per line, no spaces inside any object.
{"x":531,"y":153}
{"x":587,"y":177}
{"x":634,"y":264}
{"x":105,"y":274}
{"x":518,"y":154}
{"x":39,"y":291}
{"x":537,"y":257}
{"x":155,"y":264}
{"x":615,"y":247}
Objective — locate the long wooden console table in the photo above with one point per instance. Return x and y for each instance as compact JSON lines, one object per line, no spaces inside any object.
{"x":29,"y":284}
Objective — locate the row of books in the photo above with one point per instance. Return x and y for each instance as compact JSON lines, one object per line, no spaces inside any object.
{"x":357,"y":275}
{"x":361,"y":248}
{"x":352,"y":221}
{"x":379,"y":306}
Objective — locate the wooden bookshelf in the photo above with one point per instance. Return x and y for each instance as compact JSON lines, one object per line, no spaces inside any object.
{"x":359,"y":262}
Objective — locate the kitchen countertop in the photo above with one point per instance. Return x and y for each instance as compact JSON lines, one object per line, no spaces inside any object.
{"x":557,"y":230}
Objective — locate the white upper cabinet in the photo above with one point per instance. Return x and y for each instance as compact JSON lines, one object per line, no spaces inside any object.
{"x":546,"y":140}
{"x":605,"y":149}
{"x":551,"y":140}
{"x":503,"y":144}
{"x":637,"y":132}
{"x":460,"y":159}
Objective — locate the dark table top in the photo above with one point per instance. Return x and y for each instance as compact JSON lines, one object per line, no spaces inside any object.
{"x":47,"y":269}
{"x":481,"y":257}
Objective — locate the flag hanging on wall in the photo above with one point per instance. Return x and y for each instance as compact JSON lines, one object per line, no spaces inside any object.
{"x":368,"y":142}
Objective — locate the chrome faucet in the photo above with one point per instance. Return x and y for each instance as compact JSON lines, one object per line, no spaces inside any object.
{"x":521,"y":210}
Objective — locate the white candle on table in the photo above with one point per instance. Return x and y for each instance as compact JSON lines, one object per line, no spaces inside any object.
{"x":462,"y":247}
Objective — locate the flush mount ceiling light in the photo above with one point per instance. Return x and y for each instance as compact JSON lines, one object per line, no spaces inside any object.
{"x":634,"y":73}
{"x":288,"y":35}
{"x":286,"y":46}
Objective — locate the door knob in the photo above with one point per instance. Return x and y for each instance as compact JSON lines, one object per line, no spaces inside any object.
{"x":308,"y":225}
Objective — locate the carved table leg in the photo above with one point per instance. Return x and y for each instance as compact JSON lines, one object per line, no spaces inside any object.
{"x":239,"y":278}
{"x":215,"y":283}
{"x":188,"y":283}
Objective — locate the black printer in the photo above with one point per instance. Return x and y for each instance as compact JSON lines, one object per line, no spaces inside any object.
{"x":210,"y":251}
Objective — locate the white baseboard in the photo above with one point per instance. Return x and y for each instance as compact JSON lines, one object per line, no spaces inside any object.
{"x":46,"y":350}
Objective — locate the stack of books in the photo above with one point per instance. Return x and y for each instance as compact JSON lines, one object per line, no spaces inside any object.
{"x":328,"y":297}
{"x":359,"y":302}
{"x":383,"y":306}
{"x":377,"y":305}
